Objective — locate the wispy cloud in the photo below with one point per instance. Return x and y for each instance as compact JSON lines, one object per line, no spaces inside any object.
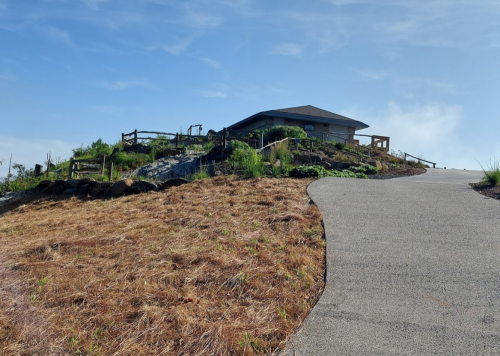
{"x":177,"y":46}
{"x":372,"y":75}
{"x":210,"y":62}
{"x":287,"y":49}
{"x":419,"y":130}
{"x":8,"y":77}
{"x":212,"y":94}
{"x":93,"y":4}
{"x":124,"y":84}
{"x":59,"y":35}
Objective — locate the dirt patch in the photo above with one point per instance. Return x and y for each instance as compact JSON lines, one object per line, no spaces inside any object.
{"x":218,"y":266}
{"x":487,"y":190}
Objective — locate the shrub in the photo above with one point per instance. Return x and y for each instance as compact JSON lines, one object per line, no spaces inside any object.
{"x":491,"y":176}
{"x":340,"y":145}
{"x":319,"y":171}
{"x":366,"y":169}
{"x":94,"y":150}
{"x":131,"y":160}
{"x":246,"y":160}
{"x":277,"y":133}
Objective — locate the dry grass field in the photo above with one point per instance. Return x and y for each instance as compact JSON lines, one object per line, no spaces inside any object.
{"x":219,"y":266}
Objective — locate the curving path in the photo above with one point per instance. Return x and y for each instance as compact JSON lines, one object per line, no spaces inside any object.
{"x":413,"y":268}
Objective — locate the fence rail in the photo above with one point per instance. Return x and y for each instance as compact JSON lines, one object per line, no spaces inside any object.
{"x":74,"y":167}
{"x":419,"y":159}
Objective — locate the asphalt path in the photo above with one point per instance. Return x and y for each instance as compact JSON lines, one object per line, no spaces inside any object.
{"x":413,"y":268}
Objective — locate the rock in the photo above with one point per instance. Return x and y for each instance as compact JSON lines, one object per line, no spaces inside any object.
{"x":83,"y":189}
{"x":374,"y":163}
{"x":315,"y":159}
{"x":141,"y":186}
{"x":72,"y":183}
{"x":356,"y":164}
{"x":44,"y":184}
{"x":85,"y":181}
{"x":325,"y":165}
{"x":341,"y":166}
{"x":59,"y":182}
{"x":69,"y":191}
{"x":120,"y":188}
{"x":277,"y":163}
{"x":58,"y":189}
{"x":174,"y":182}
{"x":100,"y":188}
{"x":172,"y":152}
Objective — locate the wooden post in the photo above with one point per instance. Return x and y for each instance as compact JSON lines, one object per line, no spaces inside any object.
{"x":261,"y":143}
{"x":38,"y":170}
{"x":224,"y":137}
{"x":123,"y":138}
{"x":434,"y":165}
{"x":71,"y":163}
{"x":103,"y":163}
{"x":176,"y":140}
{"x":110,"y":171}
{"x":135,"y":137}
{"x":311,"y":146}
{"x":405,"y":157}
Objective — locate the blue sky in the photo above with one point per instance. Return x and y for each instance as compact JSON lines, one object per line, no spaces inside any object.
{"x":423,"y":72}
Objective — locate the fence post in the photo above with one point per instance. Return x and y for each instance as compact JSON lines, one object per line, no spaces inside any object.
{"x":135,"y":137}
{"x":123,"y":138}
{"x":405,"y":157}
{"x":311,"y":146}
{"x":103,"y":163}
{"x":261,"y":143}
{"x":38,"y":170}
{"x":224,"y":137}
{"x":71,"y":163}
{"x":110,"y":171}
{"x":176,"y":140}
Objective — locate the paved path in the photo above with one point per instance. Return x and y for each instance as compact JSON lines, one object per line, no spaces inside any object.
{"x":413,"y":268}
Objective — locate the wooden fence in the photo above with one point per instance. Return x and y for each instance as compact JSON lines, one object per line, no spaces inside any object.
{"x":90,"y":166}
{"x":419,"y":159}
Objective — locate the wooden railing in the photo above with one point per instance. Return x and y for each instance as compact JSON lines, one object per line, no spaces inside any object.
{"x":419,"y":159}
{"x":75,"y":169}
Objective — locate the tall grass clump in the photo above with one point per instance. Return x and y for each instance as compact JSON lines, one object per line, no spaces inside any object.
{"x":491,"y":176}
{"x":246,"y":160}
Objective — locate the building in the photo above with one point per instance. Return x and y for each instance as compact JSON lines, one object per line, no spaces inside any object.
{"x":316,"y":122}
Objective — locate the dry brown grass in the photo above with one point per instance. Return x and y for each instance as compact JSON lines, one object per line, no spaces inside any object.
{"x":216,"y":267}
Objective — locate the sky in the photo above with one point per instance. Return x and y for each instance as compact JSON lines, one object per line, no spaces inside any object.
{"x":424,"y":72}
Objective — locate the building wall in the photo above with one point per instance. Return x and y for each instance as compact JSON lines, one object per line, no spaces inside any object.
{"x":343,"y":131}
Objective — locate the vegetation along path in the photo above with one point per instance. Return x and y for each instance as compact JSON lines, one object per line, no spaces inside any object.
{"x":412,"y":268}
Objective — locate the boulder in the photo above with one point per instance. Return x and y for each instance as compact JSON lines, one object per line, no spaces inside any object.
{"x":100,"y":188}
{"x":58,"y":189}
{"x":44,"y":184}
{"x":174,"y":182}
{"x":72,"y":183}
{"x":83,"y":189}
{"x":69,"y":190}
{"x":141,"y":186}
{"x":356,"y":164}
{"x":341,"y":166}
{"x":120,"y":188}
{"x":315,"y":159}
{"x":325,"y":165}
{"x":374,"y":163}
{"x":172,"y":152}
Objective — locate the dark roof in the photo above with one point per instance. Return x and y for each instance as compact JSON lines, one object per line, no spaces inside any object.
{"x":306,"y":113}
{"x":309,"y":110}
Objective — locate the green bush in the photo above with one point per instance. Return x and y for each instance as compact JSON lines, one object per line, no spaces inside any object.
{"x":127,"y":161}
{"x":319,"y":171}
{"x":491,"y":176}
{"x":367,"y":169}
{"x":340,"y":145}
{"x":94,"y":150}
{"x":277,"y":133}
{"x":246,"y":160}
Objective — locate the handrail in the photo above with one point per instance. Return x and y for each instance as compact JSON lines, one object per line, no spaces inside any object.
{"x":420,"y":159}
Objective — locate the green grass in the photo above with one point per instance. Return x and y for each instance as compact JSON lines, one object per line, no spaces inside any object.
{"x":491,"y":176}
